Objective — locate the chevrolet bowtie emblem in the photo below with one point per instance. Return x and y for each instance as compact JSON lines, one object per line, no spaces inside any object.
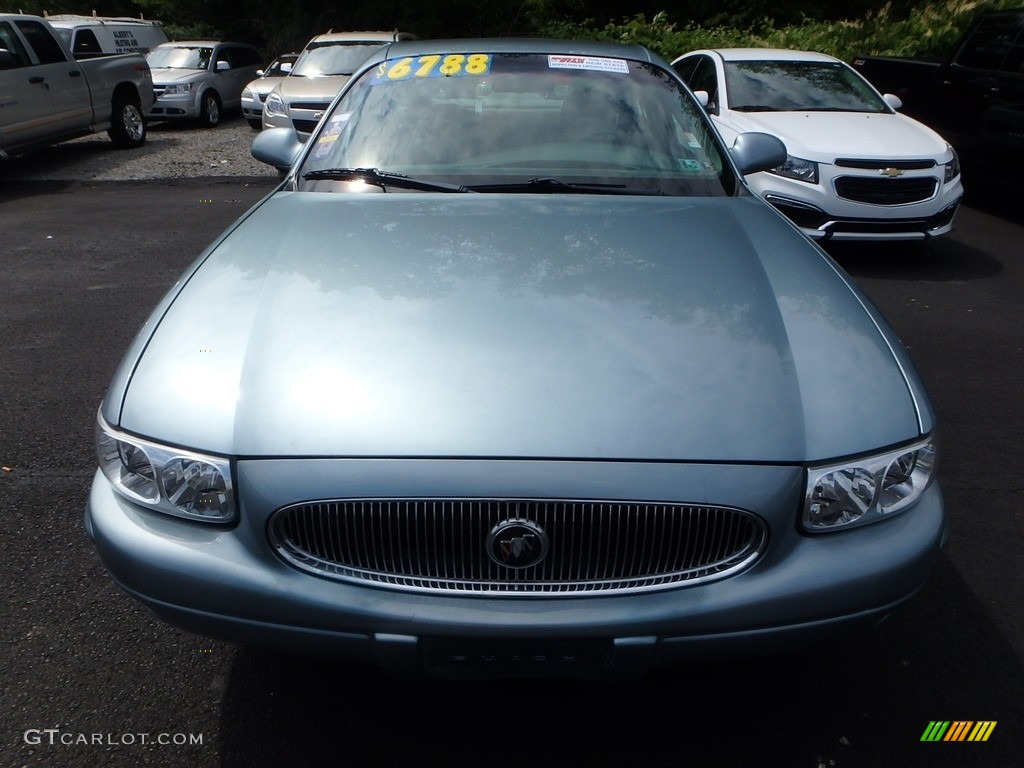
{"x":892,"y":173}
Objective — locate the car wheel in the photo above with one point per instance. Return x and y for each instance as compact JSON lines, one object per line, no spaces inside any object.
{"x":127,"y":123}
{"x":256,"y":125}
{"x":209,"y":114}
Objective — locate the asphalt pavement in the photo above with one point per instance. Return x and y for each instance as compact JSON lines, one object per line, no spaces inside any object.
{"x":88,"y":678}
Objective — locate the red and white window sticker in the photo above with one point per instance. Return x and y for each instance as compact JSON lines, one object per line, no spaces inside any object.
{"x":595,"y":63}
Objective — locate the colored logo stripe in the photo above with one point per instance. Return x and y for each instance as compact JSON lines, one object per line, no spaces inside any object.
{"x":982,"y":730}
{"x":958,"y":730}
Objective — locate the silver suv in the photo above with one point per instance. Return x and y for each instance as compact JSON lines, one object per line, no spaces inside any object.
{"x":199,"y":79}
{"x":323,"y":67}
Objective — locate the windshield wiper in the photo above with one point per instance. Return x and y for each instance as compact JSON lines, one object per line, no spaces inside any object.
{"x":382,"y":179}
{"x":545,"y":184}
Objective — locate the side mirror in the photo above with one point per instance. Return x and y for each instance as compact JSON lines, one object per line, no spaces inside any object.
{"x":753,"y":152}
{"x":702,"y":98}
{"x":278,"y":147}
{"x":286,"y":68}
{"x":223,"y":66}
{"x":893,"y":100}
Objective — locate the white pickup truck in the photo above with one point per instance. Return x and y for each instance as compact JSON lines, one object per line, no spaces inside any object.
{"x":47,"y":96}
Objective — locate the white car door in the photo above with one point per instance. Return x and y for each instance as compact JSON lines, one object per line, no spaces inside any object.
{"x":61,"y":78}
{"x":25,"y":104}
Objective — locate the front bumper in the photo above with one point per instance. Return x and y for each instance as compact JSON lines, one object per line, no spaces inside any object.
{"x":822,"y":214}
{"x":183,"y":106}
{"x":252,"y":110}
{"x":228,"y":584}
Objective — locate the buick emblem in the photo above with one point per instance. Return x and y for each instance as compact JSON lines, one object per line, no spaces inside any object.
{"x":517,"y":543}
{"x":892,"y":173}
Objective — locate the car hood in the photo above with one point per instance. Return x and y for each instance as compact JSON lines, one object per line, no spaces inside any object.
{"x":412,"y":324}
{"x":165,"y":75}
{"x":295,"y":87}
{"x":264,"y":85}
{"x":824,"y":136}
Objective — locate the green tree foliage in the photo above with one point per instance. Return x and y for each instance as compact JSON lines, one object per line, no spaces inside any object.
{"x":843,"y":28}
{"x":927,"y":31}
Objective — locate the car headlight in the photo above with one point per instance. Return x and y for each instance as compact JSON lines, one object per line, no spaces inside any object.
{"x":274,"y":105}
{"x":178,"y":88}
{"x":178,"y":482}
{"x":952,"y":168}
{"x":796,"y":168}
{"x":247,"y":93}
{"x":866,"y":490}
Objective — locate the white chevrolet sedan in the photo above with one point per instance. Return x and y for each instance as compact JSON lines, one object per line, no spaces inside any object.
{"x":857,"y":169}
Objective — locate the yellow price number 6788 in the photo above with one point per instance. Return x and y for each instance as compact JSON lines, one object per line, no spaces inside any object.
{"x":440,"y":65}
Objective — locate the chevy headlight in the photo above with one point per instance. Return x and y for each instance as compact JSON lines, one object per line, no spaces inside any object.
{"x":952,"y":168}
{"x":178,"y":482}
{"x":867,"y":490}
{"x":178,"y":88}
{"x":274,"y":105}
{"x":796,"y":168}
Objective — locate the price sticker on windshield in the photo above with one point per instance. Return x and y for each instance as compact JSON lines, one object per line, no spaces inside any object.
{"x":433,"y":65}
{"x":592,"y":63}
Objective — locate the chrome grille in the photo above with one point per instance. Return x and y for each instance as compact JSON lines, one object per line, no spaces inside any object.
{"x":440,"y":545}
{"x":884,"y":191}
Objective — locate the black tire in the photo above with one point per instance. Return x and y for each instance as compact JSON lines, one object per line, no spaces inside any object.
{"x":256,"y":125}
{"x":209,"y":112}
{"x":127,"y":123}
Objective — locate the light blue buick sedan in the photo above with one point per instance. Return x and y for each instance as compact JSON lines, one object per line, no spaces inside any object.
{"x":513,"y":376}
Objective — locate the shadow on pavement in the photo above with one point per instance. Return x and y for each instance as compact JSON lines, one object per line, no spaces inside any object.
{"x":943,"y":260}
{"x":859,"y":703}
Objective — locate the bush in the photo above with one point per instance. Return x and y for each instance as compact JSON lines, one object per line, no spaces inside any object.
{"x":928,"y":31}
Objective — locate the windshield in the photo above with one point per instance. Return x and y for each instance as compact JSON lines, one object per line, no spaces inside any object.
{"x":798,"y":86}
{"x":544,"y":123}
{"x":280,"y":66}
{"x":180,"y":57}
{"x":337,"y":58}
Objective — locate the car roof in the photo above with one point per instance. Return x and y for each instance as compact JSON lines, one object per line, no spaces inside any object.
{"x":765,"y":54}
{"x":200,"y":43}
{"x":75,"y":19}
{"x":375,"y":36}
{"x":523,"y":45}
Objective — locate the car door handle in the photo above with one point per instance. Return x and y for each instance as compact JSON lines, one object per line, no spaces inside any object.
{"x":37,"y":79}
{"x":74,"y":73}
